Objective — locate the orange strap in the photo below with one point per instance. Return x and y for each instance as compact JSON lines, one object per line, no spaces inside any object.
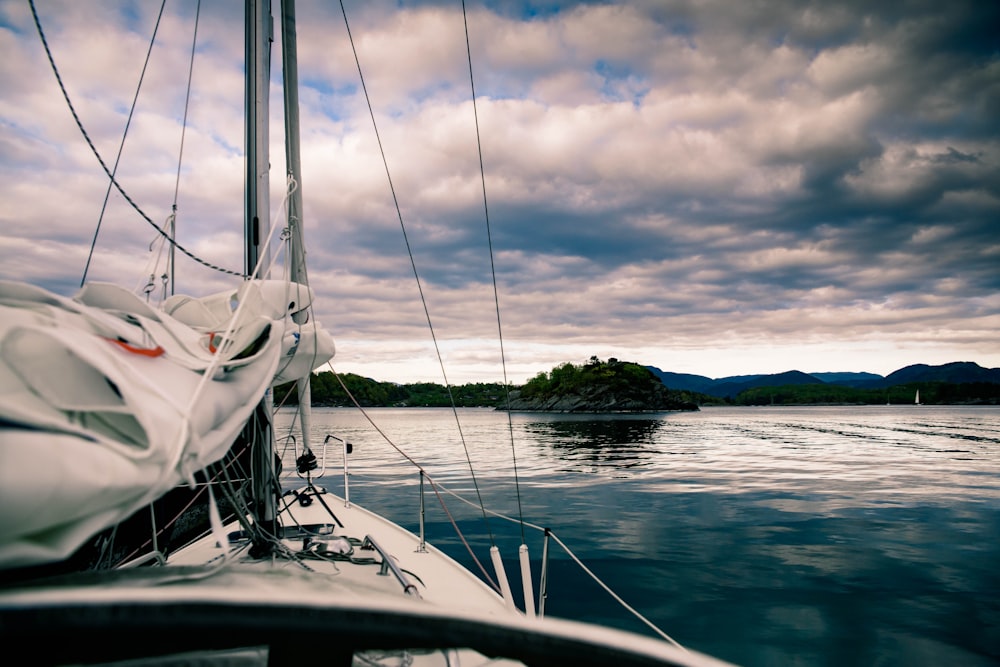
{"x":144,"y":351}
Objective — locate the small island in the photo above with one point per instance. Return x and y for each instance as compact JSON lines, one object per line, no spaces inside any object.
{"x":599,"y":386}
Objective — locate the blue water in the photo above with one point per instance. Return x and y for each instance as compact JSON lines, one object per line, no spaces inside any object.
{"x":762,"y":536}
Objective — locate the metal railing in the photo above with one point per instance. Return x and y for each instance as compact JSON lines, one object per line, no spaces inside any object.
{"x":389,"y":565}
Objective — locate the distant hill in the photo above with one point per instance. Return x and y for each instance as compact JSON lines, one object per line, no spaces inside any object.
{"x":849,"y":379}
{"x":733,"y":386}
{"x":955,"y":372}
{"x":959,"y":372}
{"x":683,"y":381}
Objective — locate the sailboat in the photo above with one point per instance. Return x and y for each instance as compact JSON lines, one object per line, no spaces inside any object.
{"x":916,"y":398}
{"x":110,"y":403}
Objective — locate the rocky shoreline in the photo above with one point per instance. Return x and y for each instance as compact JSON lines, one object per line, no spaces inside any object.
{"x":603,"y":399}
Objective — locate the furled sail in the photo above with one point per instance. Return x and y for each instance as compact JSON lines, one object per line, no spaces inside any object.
{"x":107,"y":403}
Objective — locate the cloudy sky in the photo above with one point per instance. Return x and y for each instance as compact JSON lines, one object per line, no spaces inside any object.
{"x":706,"y":186}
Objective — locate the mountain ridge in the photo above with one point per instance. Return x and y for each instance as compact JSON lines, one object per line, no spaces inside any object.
{"x":727,"y":387}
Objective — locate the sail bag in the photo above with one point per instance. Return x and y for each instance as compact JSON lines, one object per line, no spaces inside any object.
{"x":106,"y":403}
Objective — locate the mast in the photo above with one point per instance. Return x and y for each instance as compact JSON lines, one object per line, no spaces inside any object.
{"x":290,"y":75}
{"x":297,"y":252}
{"x":258,"y":430}
{"x":258,"y":77}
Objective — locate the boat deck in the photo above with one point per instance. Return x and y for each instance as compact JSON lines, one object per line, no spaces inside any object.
{"x":366,"y":554}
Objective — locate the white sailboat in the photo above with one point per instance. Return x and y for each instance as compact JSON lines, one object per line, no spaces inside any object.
{"x":109,"y":403}
{"x":916,"y":398}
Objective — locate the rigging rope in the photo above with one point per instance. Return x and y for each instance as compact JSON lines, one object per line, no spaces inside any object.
{"x":121,"y":146}
{"x":100,"y":160}
{"x":493,"y":272}
{"x":180,"y":152}
{"x":231,"y":460}
{"x":617,"y":598}
{"x":434,"y":485}
{"x":416,"y":276}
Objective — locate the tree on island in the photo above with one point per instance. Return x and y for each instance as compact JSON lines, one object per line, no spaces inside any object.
{"x":599,"y":386}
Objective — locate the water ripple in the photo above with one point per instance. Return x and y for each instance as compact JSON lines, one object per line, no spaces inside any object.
{"x":828,"y":535}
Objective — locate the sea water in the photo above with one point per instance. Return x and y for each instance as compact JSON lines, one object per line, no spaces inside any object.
{"x":862,"y":535}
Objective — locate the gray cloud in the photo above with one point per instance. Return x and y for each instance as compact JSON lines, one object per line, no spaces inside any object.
{"x":745,"y":185}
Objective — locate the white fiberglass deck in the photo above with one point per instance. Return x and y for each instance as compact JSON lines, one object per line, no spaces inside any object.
{"x":435,"y":577}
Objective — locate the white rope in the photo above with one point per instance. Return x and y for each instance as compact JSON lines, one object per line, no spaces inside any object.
{"x":617,"y":598}
{"x":217,"y":359}
{"x":575,"y":558}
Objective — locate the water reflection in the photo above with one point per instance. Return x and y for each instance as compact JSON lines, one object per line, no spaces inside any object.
{"x":764,"y":536}
{"x":618,"y":441}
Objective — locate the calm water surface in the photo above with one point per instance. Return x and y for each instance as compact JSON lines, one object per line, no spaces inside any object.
{"x":763,"y":536}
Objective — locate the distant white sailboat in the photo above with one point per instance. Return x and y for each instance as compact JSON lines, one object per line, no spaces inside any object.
{"x":916,"y":399}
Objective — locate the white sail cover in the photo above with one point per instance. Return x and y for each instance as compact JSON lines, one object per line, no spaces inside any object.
{"x":107,"y":403}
